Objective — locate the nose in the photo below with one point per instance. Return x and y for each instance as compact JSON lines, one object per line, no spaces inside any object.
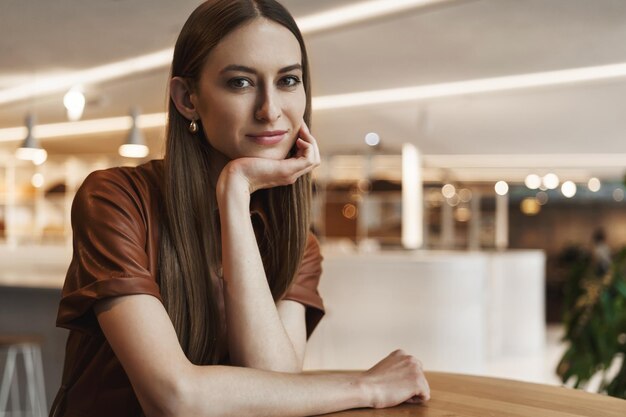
{"x":268,"y":107}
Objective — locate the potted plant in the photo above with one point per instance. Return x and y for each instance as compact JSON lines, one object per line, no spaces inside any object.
{"x":595,"y":323}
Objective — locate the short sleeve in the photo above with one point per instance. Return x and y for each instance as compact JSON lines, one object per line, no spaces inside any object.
{"x":304,"y":287}
{"x":109,"y":249}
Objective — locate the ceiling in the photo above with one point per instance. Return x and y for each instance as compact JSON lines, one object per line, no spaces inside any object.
{"x":455,"y":41}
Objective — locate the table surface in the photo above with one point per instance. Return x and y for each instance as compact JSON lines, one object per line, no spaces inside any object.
{"x":455,"y":395}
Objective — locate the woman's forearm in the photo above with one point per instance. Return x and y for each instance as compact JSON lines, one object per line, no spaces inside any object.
{"x":256,"y":335}
{"x":233,"y":391}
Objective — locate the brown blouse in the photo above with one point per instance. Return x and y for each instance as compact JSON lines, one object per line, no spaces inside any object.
{"x":115,"y":223}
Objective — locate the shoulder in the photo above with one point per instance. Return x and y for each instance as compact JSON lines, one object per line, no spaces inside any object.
{"x":124,"y":178}
{"x":125,"y":198}
{"x":119,"y":186}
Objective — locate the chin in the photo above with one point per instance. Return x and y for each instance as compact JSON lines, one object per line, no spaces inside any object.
{"x":277,"y":154}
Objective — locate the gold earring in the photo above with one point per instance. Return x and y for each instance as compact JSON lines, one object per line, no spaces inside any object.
{"x":193,"y":126}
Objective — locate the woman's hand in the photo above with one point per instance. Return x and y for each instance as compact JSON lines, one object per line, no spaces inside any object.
{"x":395,"y":379}
{"x":258,"y":173}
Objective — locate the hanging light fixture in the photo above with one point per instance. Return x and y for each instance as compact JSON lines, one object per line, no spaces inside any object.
{"x":74,"y":102}
{"x":135,"y":146}
{"x":30,"y":149}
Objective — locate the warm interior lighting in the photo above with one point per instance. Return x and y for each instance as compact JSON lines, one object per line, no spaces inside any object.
{"x":372,"y":139}
{"x":465,"y":195}
{"x":454,"y":200}
{"x":349,"y":211}
{"x":448,"y":191}
{"x":533,"y":181}
{"x":135,"y":146}
{"x":57,"y":83}
{"x":99,"y":74}
{"x":530,"y":206}
{"x":133,"y":150}
{"x":568,"y":189}
{"x":30,"y":150}
{"x":594,"y":185}
{"x":160,"y":59}
{"x":485,"y":85}
{"x":85,"y":127}
{"x":501,"y":188}
{"x":353,"y":13}
{"x":412,"y":198}
{"x":74,"y":102}
{"x":462,"y":214}
{"x":37,"y":180}
{"x":37,"y":155}
{"x":550,"y":181}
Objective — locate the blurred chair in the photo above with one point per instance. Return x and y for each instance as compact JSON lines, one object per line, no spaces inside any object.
{"x":29,"y":347}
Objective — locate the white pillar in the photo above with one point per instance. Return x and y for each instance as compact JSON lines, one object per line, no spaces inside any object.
{"x":412,"y":198}
{"x":447,"y":225}
{"x":473,"y":241}
{"x":502,"y":221}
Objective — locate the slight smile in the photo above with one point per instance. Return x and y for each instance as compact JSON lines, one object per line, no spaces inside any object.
{"x":268,"y":137}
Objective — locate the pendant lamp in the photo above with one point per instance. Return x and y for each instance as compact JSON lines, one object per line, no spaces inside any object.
{"x":135,"y":146}
{"x":30,"y":149}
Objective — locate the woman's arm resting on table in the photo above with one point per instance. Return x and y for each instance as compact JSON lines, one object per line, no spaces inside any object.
{"x":167,"y":384}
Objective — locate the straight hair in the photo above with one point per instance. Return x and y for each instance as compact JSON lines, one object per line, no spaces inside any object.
{"x":190,"y":239}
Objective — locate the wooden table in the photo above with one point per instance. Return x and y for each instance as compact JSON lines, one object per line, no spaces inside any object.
{"x":455,"y":395}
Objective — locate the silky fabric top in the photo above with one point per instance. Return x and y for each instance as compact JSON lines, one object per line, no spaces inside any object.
{"x":115,"y":223}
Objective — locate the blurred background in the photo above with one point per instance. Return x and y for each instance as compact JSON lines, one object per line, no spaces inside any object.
{"x":470,"y":202}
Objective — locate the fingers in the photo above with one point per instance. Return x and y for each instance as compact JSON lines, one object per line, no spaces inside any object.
{"x":416,"y":399}
{"x":307,"y":142}
{"x":415,"y":367}
{"x":307,"y":157}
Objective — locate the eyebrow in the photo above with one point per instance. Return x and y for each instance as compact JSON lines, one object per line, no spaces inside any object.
{"x":242,"y":68}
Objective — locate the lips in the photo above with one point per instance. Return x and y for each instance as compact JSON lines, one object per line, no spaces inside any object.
{"x":268,"y":137}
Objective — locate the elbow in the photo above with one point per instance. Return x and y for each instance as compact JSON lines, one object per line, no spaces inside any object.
{"x":171,"y":400}
{"x":292,"y":367}
{"x":295,"y":368}
{"x":295,"y":365}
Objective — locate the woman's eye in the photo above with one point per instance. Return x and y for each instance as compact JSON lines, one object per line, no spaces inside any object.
{"x":290,"y":81}
{"x":239,"y":83}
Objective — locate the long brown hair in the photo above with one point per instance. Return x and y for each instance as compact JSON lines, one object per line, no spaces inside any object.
{"x":190,"y":241}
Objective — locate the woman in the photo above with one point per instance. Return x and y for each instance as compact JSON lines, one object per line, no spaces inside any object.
{"x":193,"y":285}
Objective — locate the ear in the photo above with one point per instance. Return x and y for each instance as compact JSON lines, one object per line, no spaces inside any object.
{"x":181,"y":95}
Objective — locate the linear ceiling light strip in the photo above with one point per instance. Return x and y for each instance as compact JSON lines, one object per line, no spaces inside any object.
{"x":485,"y":85}
{"x":85,"y":127}
{"x":359,"y":12}
{"x":314,"y":23}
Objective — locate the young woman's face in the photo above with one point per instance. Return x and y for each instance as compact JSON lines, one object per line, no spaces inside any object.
{"x":250,"y":96}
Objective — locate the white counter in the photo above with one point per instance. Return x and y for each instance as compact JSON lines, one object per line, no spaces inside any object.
{"x":34,"y":266}
{"x":453,"y":310}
